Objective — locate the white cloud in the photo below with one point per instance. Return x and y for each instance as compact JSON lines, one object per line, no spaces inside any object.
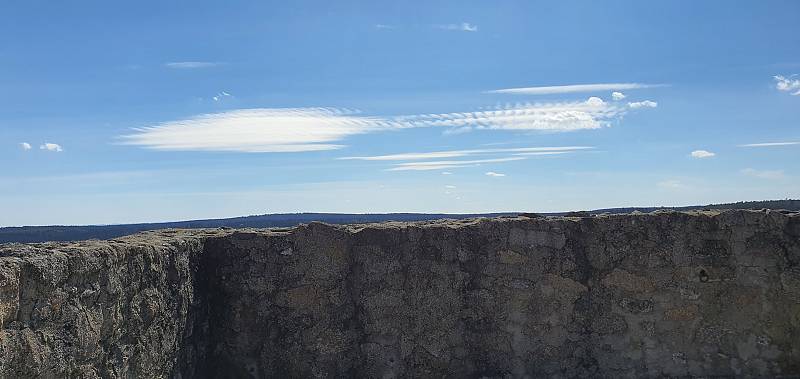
{"x":24,"y":146}
{"x":671,"y":184}
{"x":549,"y":90}
{"x":763,"y":174}
{"x":595,"y":101}
{"x":190,"y":64}
{"x":439,"y":165}
{"x":494,"y":174}
{"x":593,"y":113}
{"x":535,"y":153}
{"x":617,"y":96}
{"x":51,"y":147}
{"x":450,"y":186}
{"x":222,"y":95}
{"x":309,"y":129}
{"x":770,"y":144}
{"x":702,"y":154}
{"x":384,"y":26}
{"x":258,"y":131}
{"x":464,"y":153}
{"x":447,"y":173}
{"x":643,"y":104}
{"x":462,"y":27}
{"x":787,"y":84}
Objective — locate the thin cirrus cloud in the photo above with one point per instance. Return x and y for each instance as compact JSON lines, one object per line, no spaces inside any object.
{"x":420,"y":160}
{"x":190,"y":64}
{"x":462,"y":27}
{"x":671,"y":184}
{"x":54,"y":147}
{"x":24,"y":146}
{"x":770,"y":144}
{"x":464,"y":153}
{"x":221,"y":96}
{"x":575,"y":88}
{"x":495,"y":174}
{"x":763,"y":174}
{"x":702,"y":154}
{"x":787,"y":84}
{"x":440,"y":165}
{"x":313,"y":129}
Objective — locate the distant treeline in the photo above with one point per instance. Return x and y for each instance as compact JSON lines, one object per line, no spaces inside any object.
{"x":76,"y":233}
{"x":791,"y":205}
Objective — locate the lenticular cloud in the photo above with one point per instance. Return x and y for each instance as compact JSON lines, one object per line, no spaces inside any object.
{"x":258,"y":130}
{"x":313,"y":129}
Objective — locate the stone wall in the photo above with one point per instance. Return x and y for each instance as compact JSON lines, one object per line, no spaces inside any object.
{"x":675,"y":294}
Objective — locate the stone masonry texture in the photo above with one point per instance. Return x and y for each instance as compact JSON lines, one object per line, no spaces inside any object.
{"x":642,"y":295}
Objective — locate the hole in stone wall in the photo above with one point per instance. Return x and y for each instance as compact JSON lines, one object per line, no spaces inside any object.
{"x":703,"y":276}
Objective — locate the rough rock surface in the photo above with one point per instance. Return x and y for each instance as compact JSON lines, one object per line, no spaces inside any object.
{"x":648,"y":295}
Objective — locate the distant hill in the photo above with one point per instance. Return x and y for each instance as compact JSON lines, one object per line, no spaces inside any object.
{"x":28,"y":234}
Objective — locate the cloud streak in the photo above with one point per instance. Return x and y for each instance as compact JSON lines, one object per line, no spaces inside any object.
{"x":671,"y":184}
{"x":221,"y":96}
{"x":439,"y":165}
{"x":421,"y":161}
{"x":462,"y":27}
{"x":495,"y":174}
{"x":464,"y":153}
{"x":763,"y":174}
{"x":24,"y":146}
{"x":275,"y":130}
{"x":770,"y":144}
{"x":574,"y":88}
{"x":190,"y":65}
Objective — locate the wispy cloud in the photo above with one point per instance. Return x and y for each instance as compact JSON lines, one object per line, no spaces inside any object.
{"x":24,"y":146}
{"x":447,"y":173}
{"x":770,"y":144}
{"x":311,"y":129}
{"x":573,"y":88}
{"x":258,"y":130}
{"x":191,"y":64}
{"x":462,"y":27}
{"x":221,"y":96}
{"x":420,"y":161}
{"x":617,"y":96}
{"x":672,"y":184}
{"x":643,"y":104}
{"x":702,"y":154}
{"x":495,"y":174}
{"x":51,"y":147}
{"x":593,"y":113}
{"x":440,"y":165}
{"x":535,"y":153}
{"x":787,"y":84}
{"x":384,"y":26}
{"x":464,"y":153}
{"x":764,"y":174}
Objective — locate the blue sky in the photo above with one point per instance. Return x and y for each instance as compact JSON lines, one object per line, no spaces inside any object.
{"x":150,"y":111}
